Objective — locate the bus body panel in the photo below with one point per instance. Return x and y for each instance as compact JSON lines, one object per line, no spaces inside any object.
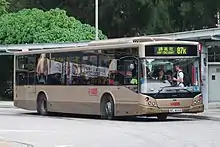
{"x":178,"y":102}
{"x":76,"y":99}
{"x":153,"y":111}
{"x":170,"y":105}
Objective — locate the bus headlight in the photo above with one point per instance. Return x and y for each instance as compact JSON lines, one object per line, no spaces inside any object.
{"x":150,"y":102}
{"x":198,"y":100}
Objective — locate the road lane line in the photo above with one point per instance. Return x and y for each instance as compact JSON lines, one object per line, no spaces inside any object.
{"x":25,"y":131}
{"x":64,"y":146}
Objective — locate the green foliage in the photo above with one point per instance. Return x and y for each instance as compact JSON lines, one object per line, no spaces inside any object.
{"x":3,"y":6}
{"x":138,"y":17}
{"x":37,"y":26}
{"x":16,"y":5}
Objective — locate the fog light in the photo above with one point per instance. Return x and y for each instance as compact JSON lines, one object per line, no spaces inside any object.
{"x":149,"y":103}
{"x":147,"y":99}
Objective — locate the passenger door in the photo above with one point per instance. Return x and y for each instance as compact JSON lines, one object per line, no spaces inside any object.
{"x":128,"y":72}
{"x":31,"y":79}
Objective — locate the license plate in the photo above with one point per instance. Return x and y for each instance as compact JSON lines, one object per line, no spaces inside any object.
{"x":175,"y":110}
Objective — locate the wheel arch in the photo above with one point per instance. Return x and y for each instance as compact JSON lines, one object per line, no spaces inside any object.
{"x":103,"y":97}
{"x":42,"y":92}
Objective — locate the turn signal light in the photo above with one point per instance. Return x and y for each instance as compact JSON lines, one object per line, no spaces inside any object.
{"x":200,"y":98}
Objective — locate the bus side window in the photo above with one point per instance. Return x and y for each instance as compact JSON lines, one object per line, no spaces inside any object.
{"x":23,"y":71}
{"x":56,"y":74}
{"x":43,"y":69}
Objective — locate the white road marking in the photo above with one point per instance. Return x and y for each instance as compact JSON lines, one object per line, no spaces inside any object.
{"x":25,"y":131}
{"x":64,"y":146}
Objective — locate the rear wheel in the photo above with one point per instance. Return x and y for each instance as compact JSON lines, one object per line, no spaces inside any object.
{"x":107,"y":107}
{"x":42,"y":105}
{"x":162,"y":117}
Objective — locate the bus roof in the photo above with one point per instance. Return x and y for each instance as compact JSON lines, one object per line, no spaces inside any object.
{"x":90,"y":45}
{"x":128,"y":40}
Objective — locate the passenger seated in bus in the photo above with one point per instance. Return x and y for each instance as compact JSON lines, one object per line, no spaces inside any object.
{"x":111,"y":79}
{"x":56,"y":79}
{"x":169,"y":77}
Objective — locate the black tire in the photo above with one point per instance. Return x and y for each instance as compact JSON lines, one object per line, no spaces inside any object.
{"x":162,"y":117}
{"x":107,"y":108}
{"x":42,"y":105}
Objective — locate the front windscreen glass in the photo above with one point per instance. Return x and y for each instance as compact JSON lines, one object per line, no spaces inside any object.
{"x":170,"y":75}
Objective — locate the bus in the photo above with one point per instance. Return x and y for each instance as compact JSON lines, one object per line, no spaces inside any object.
{"x":131,"y":76}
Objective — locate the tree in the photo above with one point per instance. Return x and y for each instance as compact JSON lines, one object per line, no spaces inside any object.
{"x":4,"y":5}
{"x":37,"y":26}
{"x":17,"y":5}
{"x":194,"y":14}
{"x":137,"y":17}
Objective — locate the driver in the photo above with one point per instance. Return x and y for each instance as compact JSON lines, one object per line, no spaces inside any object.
{"x":161,"y":75}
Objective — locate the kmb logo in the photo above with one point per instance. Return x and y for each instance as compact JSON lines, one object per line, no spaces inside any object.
{"x":175,"y":103}
{"x":93,"y":91}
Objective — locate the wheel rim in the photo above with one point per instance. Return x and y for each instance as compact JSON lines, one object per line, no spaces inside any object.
{"x":43,"y":106}
{"x":108,"y":108}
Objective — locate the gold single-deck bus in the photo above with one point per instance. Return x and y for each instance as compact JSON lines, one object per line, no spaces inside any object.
{"x":114,"y":77}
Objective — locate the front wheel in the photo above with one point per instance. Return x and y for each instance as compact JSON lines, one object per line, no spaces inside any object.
{"x":162,"y":117}
{"x":107,"y":108}
{"x":42,"y":105}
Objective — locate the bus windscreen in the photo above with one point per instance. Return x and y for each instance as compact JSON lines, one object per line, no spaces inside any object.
{"x":172,"y":50}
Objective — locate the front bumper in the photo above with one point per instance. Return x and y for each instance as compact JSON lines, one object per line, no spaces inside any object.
{"x":145,"y":110}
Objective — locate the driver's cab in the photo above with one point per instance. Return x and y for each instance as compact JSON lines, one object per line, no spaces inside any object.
{"x":124,"y":71}
{"x":160,"y":70}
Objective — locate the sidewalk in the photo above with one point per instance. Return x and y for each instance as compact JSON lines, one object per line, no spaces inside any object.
{"x":213,"y":113}
{"x":4,"y":144}
{"x":8,"y":143}
{"x":7,"y":104}
{"x":210,"y":114}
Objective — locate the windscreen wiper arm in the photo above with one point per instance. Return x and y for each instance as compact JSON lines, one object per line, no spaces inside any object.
{"x":171,"y":89}
{"x":186,"y":90}
{"x":162,"y":88}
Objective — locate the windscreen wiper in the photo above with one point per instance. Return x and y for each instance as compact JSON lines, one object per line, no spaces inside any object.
{"x":177,"y":88}
{"x":186,"y":90}
{"x":180,"y":88}
{"x":162,"y":88}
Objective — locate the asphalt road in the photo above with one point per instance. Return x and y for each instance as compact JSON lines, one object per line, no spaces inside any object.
{"x":74,"y":131}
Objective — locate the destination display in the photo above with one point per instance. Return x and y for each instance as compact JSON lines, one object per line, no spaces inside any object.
{"x":171,"y":50}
